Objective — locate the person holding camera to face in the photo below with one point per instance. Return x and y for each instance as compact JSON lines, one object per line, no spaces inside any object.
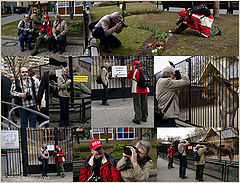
{"x":104,"y":29}
{"x":135,"y":163}
{"x":59,"y":159}
{"x":24,"y":91}
{"x":100,"y":166}
{"x":182,"y":149}
{"x":167,"y":92}
{"x":64,"y":94}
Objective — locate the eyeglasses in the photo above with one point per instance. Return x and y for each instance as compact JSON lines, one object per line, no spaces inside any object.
{"x":24,"y":72}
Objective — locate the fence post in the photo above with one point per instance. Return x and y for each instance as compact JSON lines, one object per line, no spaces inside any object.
{"x":85,"y":18}
{"x":122,"y":79}
{"x":23,"y":132}
{"x":189,"y":90}
{"x":71,"y":77}
{"x":56,"y":136}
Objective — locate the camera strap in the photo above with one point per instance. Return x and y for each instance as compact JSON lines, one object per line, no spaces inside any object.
{"x":169,"y":104}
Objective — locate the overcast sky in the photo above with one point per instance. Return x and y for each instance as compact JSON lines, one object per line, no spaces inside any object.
{"x":162,"y":61}
{"x":173,"y":132}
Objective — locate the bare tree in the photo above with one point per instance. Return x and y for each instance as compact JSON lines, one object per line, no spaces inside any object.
{"x":216,"y":9}
{"x":106,"y":134}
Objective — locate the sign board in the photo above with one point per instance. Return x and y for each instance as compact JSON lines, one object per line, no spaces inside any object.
{"x":10,"y":139}
{"x":50,"y":147}
{"x":119,"y":71}
{"x":82,"y":79}
{"x":58,"y":72}
{"x":190,"y":147}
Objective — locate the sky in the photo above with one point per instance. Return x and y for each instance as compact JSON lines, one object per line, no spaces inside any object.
{"x":173,"y":132}
{"x":162,"y":61}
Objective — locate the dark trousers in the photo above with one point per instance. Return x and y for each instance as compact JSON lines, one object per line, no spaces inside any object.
{"x":170,"y":163}
{"x":60,"y":42}
{"x":64,"y":111}
{"x":182,"y":167}
{"x":199,"y":172}
{"x":170,"y":122}
{"x":4,"y":107}
{"x":105,"y":95}
{"x":27,"y":115}
{"x":23,"y":37}
{"x":180,"y":28}
{"x":44,"y":167}
{"x":39,"y":40}
{"x":140,"y":103}
{"x":107,"y":41}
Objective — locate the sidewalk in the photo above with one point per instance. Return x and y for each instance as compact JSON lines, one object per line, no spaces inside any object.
{"x":172,"y":175}
{"x":38,"y":178}
{"x":119,"y":113}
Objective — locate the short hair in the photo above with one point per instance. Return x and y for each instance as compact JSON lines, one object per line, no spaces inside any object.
{"x":26,"y":15}
{"x":144,"y":144}
{"x":23,"y":68}
{"x":65,"y":68}
{"x":116,"y":15}
{"x":167,"y":70}
{"x":58,"y":16}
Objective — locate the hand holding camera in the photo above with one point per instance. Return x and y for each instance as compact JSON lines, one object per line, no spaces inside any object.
{"x":130,"y":152}
{"x":23,"y":95}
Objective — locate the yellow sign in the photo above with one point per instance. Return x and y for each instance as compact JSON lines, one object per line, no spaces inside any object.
{"x":81,"y":79}
{"x":189,"y":147}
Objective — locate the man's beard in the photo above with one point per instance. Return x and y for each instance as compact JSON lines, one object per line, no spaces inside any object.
{"x":99,"y":155}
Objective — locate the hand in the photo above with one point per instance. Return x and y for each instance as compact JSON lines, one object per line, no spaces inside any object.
{"x":56,"y":38}
{"x":69,"y":80}
{"x":45,"y":36}
{"x":39,"y":107}
{"x":23,"y":95}
{"x":118,"y":25}
{"x":126,"y":157}
{"x":40,"y":33}
{"x":133,"y":158}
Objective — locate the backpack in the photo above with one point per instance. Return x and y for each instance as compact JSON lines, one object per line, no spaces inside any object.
{"x":144,"y":79}
{"x":201,"y":9}
{"x":196,"y":156}
{"x":99,"y":80}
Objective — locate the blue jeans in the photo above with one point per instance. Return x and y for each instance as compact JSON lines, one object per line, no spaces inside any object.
{"x":105,"y":95}
{"x":54,"y":42}
{"x":25,"y":115}
{"x":44,"y":167}
{"x":23,"y":37}
{"x":107,"y":41}
{"x":182,"y":167}
{"x":64,"y":111}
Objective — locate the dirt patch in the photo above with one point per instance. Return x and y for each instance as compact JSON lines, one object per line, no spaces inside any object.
{"x":75,"y":34}
{"x":172,"y":41}
{"x":144,"y":50}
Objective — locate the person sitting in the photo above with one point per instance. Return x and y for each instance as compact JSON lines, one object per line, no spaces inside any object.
{"x":36,"y":19}
{"x":104,"y":29}
{"x":45,"y":32}
{"x":25,"y":32}
{"x":59,"y":34}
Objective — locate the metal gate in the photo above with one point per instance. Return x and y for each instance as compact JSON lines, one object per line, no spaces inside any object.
{"x":211,"y":100}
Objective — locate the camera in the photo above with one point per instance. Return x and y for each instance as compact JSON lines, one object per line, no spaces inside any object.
{"x":123,"y":24}
{"x":177,"y":75}
{"x":127,"y":150}
{"x":28,"y":96}
{"x":58,"y":32}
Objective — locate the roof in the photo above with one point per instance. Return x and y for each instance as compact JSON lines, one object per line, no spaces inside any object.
{"x":225,"y":134}
{"x":86,"y":59}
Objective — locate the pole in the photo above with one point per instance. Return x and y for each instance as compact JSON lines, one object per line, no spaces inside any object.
{"x":85,"y":18}
{"x":122,"y":79}
{"x":71,"y":77}
{"x":23,"y":132}
{"x":220,"y":153}
{"x":189,"y":90}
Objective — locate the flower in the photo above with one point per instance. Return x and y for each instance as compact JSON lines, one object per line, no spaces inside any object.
{"x":161,"y":43}
{"x":150,"y":44}
{"x":160,"y":47}
{"x":154,"y":51}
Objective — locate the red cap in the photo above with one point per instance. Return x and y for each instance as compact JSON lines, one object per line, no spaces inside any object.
{"x":94,"y":144}
{"x":57,"y":146}
{"x":136,"y":63}
{"x":171,"y":145}
{"x":46,"y":17}
{"x":182,"y":14}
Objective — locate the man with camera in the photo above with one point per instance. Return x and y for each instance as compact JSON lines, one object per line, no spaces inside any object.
{"x":167,"y":92}
{"x":25,"y":92}
{"x":135,"y":163}
{"x":100,"y":166}
{"x":59,"y":34}
{"x":64,"y":94}
{"x":25,"y":32}
{"x":59,"y":159}
{"x":45,"y":32}
{"x":104,"y":29}
{"x":182,"y":150}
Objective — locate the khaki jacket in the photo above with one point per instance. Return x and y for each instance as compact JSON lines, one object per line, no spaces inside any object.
{"x":63,"y":85}
{"x":182,"y":148}
{"x":44,"y":154}
{"x":62,"y":27}
{"x":105,"y":22}
{"x":130,"y":174}
{"x":36,"y":21}
{"x":104,"y":76}
{"x":201,"y":153}
{"x":166,"y":88}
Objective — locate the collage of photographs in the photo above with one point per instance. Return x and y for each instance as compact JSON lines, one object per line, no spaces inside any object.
{"x":120,"y":91}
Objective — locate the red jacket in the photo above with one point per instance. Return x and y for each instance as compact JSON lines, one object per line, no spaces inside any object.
{"x":200,"y":22}
{"x":134,"y":75}
{"x":108,"y":169}
{"x":49,"y":28}
{"x":58,"y":158}
{"x":169,"y":152}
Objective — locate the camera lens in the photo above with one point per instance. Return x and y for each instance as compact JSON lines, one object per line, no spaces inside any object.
{"x":127,"y":151}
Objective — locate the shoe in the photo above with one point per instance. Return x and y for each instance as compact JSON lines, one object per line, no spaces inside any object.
{"x":108,"y":50}
{"x":34,"y":53}
{"x":172,"y":167}
{"x":136,"y":121}
{"x":30,"y":48}
{"x":184,"y":177}
{"x":63,"y":176}
{"x":54,"y":51}
{"x":220,"y":31}
{"x":169,"y":167}
{"x":22,"y":50}
{"x":58,"y":174}
{"x":144,"y":120}
{"x":200,"y":180}
{"x":60,"y":52}
{"x":107,"y":104}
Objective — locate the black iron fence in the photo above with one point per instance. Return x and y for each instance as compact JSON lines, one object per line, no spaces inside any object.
{"x":121,"y":87}
{"x":212,"y":98}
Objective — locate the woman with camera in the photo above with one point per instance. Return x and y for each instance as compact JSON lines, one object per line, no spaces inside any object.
{"x":44,"y":157}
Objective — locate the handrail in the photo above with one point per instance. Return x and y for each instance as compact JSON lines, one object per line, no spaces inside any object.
{"x":9,"y":121}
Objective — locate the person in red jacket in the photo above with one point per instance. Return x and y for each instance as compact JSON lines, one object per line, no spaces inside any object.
{"x":99,"y":167}
{"x":140,"y":98}
{"x":59,"y":159}
{"x":198,"y":22}
{"x":45,"y":32}
{"x":171,"y":152}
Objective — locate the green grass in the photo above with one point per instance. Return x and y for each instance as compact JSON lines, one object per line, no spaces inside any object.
{"x":81,"y":151}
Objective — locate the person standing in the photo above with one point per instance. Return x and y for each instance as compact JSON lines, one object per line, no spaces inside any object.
{"x":59,"y":159}
{"x":201,"y":150}
{"x":140,"y":94}
{"x":64,"y":94}
{"x":44,"y":156}
{"x":171,"y":152}
{"x":5,"y":94}
{"x":105,"y":81}
{"x":183,"y":159}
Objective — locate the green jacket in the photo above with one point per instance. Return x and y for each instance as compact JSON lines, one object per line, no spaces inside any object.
{"x":201,"y":153}
{"x":36,"y":21}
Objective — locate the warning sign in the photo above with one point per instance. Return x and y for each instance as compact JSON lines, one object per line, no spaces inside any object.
{"x":80,"y":79}
{"x":190,"y":147}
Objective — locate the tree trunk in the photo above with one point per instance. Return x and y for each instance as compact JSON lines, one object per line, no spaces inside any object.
{"x":106,"y":134}
{"x":216,"y":9}
{"x":71,"y":9}
{"x":139,"y":133}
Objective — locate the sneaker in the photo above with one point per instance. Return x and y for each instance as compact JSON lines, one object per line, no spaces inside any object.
{"x":34,"y":53}
{"x":220,"y":31}
{"x":136,"y":121}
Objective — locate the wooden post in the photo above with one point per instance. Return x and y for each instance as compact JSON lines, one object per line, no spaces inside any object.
{"x":139,"y":133}
{"x":216,"y":9}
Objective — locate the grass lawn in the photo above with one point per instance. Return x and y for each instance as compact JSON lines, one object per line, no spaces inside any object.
{"x":187,"y":43}
{"x":81,"y":151}
{"x":75,"y":28}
